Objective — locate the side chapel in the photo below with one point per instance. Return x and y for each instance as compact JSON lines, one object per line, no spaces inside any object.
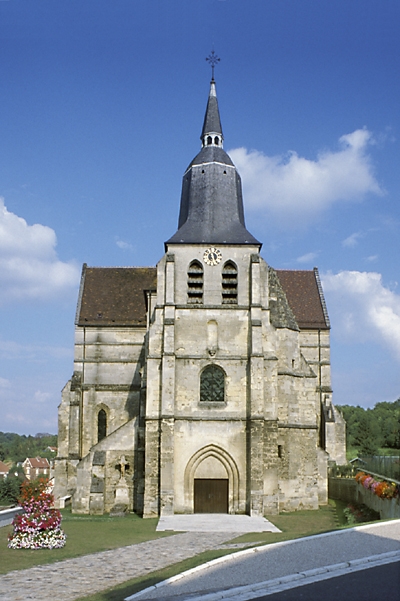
{"x":202,"y":384}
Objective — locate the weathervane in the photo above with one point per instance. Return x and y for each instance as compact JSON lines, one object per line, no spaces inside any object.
{"x":213,"y":59}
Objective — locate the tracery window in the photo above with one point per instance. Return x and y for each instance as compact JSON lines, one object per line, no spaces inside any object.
{"x":101,"y":425}
{"x":212,"y":385}
{"x":195,"y":283}
{"x":229,"y":284}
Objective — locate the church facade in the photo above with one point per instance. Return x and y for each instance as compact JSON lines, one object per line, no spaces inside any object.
{"x":202,"y":384}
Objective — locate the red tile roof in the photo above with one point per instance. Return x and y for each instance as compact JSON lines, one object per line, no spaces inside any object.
{"x":4,"y":469}
{"x":38,"y":462}
{"x":305,"y":297}
{"x":112,"y":296}
{"x":115,"y":295}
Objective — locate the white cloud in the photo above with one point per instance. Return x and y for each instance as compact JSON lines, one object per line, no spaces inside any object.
{"x":352,"y":240}
{"x":42,"y":397}
{"x":307,"y":258}
{"x":4,"y":383}
{"x":123,"y":245}
{"x":294,"y":188}
{"x":29,"y":266}
{"x":9,"y":349}
{"x":363,"y":309}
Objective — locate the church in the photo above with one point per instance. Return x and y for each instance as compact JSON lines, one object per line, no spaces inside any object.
{"x":201,"y":385}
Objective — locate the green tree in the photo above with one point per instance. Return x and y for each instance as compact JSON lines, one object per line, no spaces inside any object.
{"x":10,"y":487}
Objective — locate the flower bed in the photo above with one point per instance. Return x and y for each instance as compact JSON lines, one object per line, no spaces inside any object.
{"x":357,"y":514}
{"x":38,"y":526}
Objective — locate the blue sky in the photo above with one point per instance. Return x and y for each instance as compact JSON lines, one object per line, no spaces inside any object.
{"x":101,"y":109}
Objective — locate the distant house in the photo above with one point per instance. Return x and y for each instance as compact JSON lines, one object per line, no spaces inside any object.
{"x":52,"y":449}
{"x":35,"y":466}
{"x":3,"y":470}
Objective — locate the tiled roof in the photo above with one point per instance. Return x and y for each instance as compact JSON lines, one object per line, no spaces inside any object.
{"x":114,"y":295}
{"x":305,"y":297}
{"x":3,"y":468}
{"x":38,"y":462}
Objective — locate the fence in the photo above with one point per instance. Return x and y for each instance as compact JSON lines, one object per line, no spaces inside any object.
{"x":386,"y":466}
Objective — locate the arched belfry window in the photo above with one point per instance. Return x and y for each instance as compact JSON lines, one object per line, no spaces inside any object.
{"x":229,"y":284}
{"x":209,"y":140}
{"x":101,"y":425}
{"x":195,"y":283}
{"x":212,"y":385}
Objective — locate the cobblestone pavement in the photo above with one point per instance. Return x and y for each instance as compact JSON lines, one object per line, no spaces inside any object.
{"x":74,"y":578}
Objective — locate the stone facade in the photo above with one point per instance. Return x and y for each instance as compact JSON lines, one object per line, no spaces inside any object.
{"x":203,"y":383}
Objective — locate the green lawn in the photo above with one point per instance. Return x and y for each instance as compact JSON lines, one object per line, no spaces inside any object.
{"x":353,"y":452}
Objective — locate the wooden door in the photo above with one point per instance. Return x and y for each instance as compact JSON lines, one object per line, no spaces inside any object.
{"x":211,"y":495}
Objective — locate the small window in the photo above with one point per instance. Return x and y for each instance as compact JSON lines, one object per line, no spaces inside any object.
{"x":216,"y":141}
{"x":101,"y":425}
{"x":212,"y":385}
{"x":195,"y":283}
{"x":229,"y":284}
{"x":209,"y":140}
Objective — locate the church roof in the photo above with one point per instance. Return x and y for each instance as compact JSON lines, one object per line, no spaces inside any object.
{"x":211,"y":210}
{"x":305,"y":296}
{"x":114,"y":295}
{"x":212,"y":121}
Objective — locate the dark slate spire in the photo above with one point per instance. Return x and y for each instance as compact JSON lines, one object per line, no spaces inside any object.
{"x":212,"y":123}
{"x":211,"y":202}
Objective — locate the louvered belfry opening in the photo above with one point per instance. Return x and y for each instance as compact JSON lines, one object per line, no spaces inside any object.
{"x":195,"y":283}
{"x":229,"y":284}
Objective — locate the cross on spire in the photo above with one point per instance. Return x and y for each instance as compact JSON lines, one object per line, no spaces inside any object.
{"x":213,"y":60}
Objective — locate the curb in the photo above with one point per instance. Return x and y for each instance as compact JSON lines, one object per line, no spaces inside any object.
{"x":269,"y":587}
{"x":319,"y":573}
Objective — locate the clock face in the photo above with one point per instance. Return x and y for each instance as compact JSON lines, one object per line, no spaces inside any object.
{"x":212,"y":256}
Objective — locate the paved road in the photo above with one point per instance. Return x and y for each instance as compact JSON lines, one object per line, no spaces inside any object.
{"x":373,"y":584}
{"x":248,"y":573}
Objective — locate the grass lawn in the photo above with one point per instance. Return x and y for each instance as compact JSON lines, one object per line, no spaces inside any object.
{"x":353,"y":452}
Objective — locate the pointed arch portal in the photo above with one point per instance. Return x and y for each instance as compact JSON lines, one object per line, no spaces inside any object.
{"x":218,"y":493}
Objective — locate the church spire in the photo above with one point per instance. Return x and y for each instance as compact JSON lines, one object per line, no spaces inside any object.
{"x":211,"y":202}
{"x":211,"y":134}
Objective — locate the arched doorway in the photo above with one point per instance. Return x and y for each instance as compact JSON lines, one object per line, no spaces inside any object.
{"x":212,"y":481}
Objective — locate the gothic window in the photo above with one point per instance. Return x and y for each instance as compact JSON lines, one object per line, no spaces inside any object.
{"x":195,"y":283}
{"x":101,"y":425}
{"x":216,"y":141}
{"x":209,"y":140}
{"x":229,"y":284}
{"x":212,"y":385}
